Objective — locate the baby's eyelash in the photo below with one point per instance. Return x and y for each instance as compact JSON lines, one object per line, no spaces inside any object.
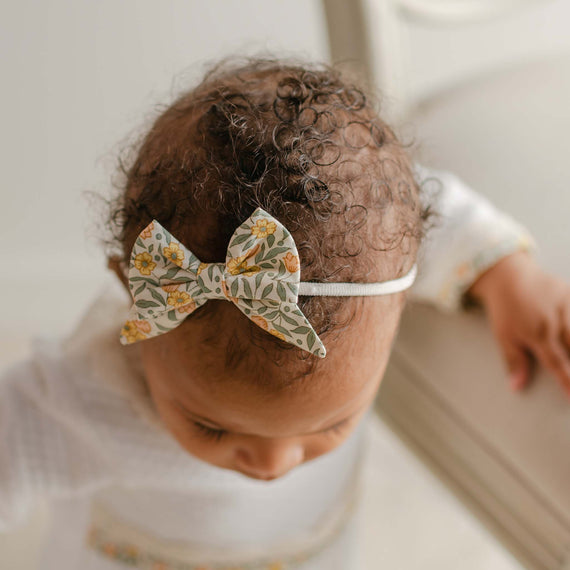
{"x":218,"y":434}
{"x":210,"y":433}
{"x":338,"y":428}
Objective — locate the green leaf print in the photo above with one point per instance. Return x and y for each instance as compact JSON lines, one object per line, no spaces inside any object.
{"x":158,"y":297}
{"x":172,"y":315}
{"x":267,"y":290}
{"x":293,"y":287}
{"x":301,"y":330}
{"x":167,"y":236}
{"x":311,"y":339}
{"x":265,"y":266}
{"x":247,"y":289}
{"x":151,"y":248}
{"x":275,"y":252}
{"x":145,"y":279}
{"x":259,"y":255}
{"x":140,"y":243}
{"x":281,"y":291}
{"x":258,"y":279}
{"x":239,"y":239}
{"x":282,"y":269}
{"x":270,"y":240}
{"x":146,"y":304}
{"x":161,"y":328}
{"x":141,"y":288}
{"x":289,"y":320}
{"x":282,"y":330}
{"x":171,"y":273}
{"x":234,"y":288}
{"x":248,"y":244}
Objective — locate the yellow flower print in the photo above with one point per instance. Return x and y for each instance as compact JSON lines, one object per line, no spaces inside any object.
{"x":188,"y":308}
{"x":181,"y":301}
{"x":263,"y":228}
{"x":144,"y":263}
{"x":147,"y":232}
{"x":132,"y":332}
{"x":201,"y":267}
{"x":178,"y":298}
{"x":291,"y":262}
{"x":238,"y":265}
{"x":260,"y":321}
{"x":277,"y":334}
{"x":174,"y":254}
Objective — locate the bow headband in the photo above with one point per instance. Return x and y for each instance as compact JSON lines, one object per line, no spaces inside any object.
{"x":261,"y":276}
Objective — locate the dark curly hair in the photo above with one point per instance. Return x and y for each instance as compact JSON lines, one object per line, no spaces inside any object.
{"x":302,"y":141}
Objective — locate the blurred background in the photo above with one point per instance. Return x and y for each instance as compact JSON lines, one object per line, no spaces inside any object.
{"x":82,"y":79}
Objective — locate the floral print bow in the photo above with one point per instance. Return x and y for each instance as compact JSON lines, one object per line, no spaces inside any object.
{"x":261,"y":277}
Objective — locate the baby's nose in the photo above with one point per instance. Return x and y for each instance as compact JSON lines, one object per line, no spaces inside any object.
{"x":269,"y":459}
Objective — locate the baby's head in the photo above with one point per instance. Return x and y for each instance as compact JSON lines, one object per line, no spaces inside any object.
{"x":307,"y":146}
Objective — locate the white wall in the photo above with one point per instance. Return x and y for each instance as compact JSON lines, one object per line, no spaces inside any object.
{"x":441,"y":55}
{"x":77,"y":77}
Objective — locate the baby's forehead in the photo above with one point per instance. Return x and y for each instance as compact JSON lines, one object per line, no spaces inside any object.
{"x":227,"y":349}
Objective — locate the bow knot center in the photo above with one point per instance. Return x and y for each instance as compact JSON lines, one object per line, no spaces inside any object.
{"x":211,"y":278}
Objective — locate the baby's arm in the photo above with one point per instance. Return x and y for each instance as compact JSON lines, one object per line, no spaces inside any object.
{"x":479,"y":254}
{"x":43,"y":452}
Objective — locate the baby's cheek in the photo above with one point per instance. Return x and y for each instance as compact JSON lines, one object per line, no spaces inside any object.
{"x":315,"y":447}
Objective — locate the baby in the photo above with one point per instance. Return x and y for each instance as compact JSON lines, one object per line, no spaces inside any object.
{"x":268,"y":231}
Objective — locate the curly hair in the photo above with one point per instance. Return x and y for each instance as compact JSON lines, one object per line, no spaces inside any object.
{"x":302,"y":141}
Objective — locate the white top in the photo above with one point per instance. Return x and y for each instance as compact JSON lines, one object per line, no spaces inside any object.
{"x":77,"y":426}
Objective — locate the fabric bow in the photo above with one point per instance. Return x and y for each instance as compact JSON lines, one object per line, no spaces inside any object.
{"x":261,"y":277}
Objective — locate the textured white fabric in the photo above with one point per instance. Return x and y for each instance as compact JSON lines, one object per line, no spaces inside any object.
{"x":469,"y":237}
{"x":76,"y":422}
{"x":76,"y":419}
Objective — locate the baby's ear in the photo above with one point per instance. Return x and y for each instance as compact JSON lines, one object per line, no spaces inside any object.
{"x":114,"y":264}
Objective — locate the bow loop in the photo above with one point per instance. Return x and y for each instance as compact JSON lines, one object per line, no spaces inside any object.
{"x":264,"y":251}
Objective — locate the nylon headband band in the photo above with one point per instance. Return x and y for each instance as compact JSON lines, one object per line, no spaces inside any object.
{"x":358,"y":289}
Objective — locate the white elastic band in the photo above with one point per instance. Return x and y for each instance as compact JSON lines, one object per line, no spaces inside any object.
{"x":359,"y":289}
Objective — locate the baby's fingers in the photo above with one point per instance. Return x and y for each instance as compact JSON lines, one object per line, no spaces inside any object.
{"x":555,"y":356}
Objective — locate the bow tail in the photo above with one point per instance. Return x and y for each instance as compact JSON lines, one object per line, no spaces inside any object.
{"x":283,"y":320}
{"x":140,"y":324}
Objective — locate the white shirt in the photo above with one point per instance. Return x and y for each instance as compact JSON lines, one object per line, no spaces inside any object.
{"x":77,"y":426}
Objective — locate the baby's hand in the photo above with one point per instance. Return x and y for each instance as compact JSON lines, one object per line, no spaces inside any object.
{"x":529,"y":313}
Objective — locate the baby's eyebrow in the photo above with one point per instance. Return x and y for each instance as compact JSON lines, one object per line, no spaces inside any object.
{"x":215,"y":425}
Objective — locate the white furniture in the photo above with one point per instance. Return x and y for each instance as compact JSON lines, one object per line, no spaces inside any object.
{"x":445,"y":393}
